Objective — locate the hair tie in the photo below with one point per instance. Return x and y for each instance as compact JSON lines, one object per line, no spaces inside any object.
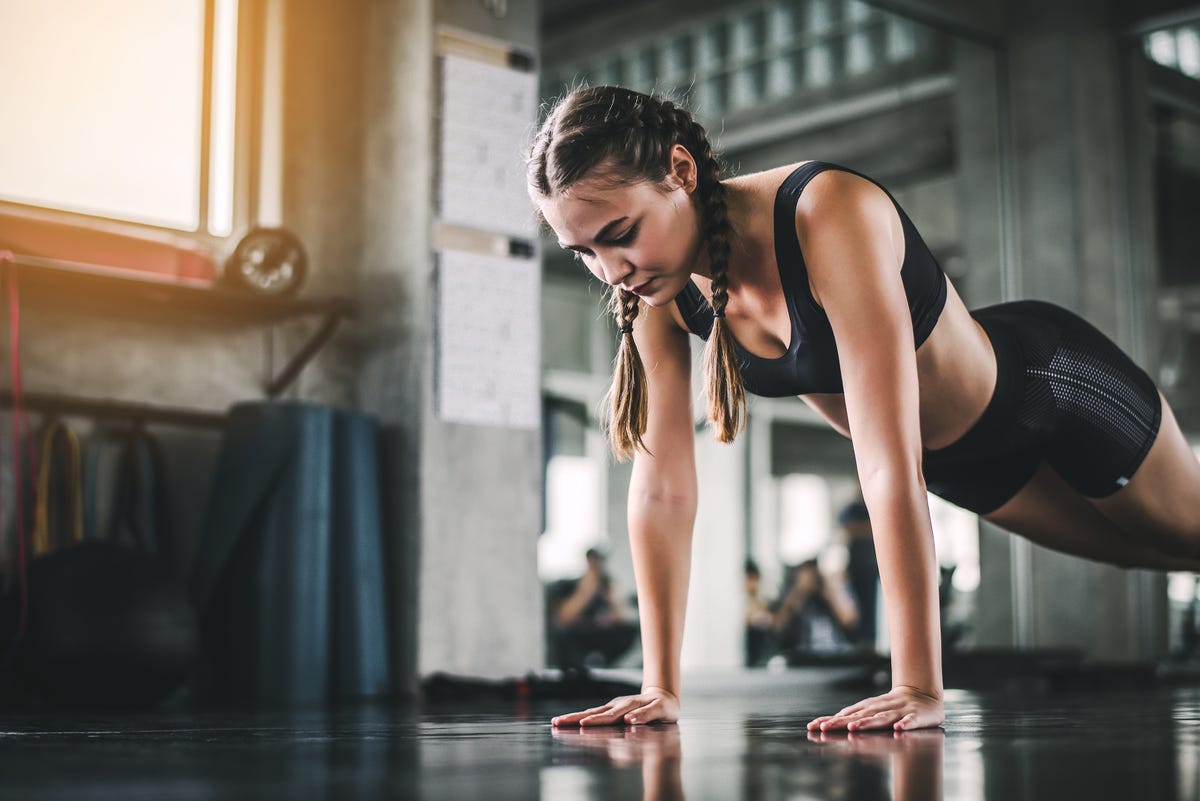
{"x":718,"y":314}
{"x":626,"y":329}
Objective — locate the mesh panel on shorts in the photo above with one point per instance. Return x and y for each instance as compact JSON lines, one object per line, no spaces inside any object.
{"x":1099,"y":410}
{"x":1064,"y":393}
{"x":1098,"y":393}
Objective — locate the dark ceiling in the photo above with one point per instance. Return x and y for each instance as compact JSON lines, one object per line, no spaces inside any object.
{"x":981,"y":19}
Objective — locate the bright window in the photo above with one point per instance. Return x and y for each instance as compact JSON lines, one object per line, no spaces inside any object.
{"x":103,"y":109}
{"x":573,"y":485}
{"x":1177,"y":48}
{"x":806,"y":513}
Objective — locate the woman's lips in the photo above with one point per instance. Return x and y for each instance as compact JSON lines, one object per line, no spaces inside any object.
{"x":638,"y":290}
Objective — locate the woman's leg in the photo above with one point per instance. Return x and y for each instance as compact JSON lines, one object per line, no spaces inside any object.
{"x":1161,"y":502}
{"x":1051,"y":513}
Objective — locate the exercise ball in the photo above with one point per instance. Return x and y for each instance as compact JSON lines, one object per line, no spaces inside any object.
{"x":108,"y":625}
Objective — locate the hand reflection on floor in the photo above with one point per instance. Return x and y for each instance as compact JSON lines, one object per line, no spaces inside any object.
{"x":657,"y":748}
{"x":913,"y":758}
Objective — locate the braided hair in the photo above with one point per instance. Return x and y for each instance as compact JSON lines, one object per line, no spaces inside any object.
{"x":628,"y":135}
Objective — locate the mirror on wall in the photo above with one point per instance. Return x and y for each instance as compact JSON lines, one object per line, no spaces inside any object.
{"x":774,"y":82}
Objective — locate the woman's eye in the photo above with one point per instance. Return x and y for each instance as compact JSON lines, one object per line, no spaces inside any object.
{"x":627,"y":238}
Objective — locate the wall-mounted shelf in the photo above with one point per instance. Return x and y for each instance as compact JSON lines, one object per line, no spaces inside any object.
{"x":107,"y":410}
{"x":178,"y":300}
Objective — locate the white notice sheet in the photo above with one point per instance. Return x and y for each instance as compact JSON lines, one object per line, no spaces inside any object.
{"x":486,"y":340}
{"x":487,"y":119}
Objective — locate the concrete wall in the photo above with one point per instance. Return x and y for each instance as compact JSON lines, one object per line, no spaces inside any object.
{"x":1074,"y":202}
{"x":464,"y":500}
{"x":349,"y":162}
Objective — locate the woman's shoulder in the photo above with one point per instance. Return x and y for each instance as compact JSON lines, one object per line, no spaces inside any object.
{"x":833,"y":198}
{"x":767,"y":181}
{"x":823,"y":190}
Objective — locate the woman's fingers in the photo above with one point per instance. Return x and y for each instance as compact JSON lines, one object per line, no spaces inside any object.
{"x":903,"y":708}
{"x":612,"y":714}
{"x":852,"y":716}
{"x":642,"y":708}
{"x":839,"y":721}
{"x":575,"y":717}
{"x":644,"y":714}
{"x":601,"y":718}
{"x":841,"y":716}
{"x":880,"y":720}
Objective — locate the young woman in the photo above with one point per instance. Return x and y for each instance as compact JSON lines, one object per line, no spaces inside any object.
{"x":810,"y":280}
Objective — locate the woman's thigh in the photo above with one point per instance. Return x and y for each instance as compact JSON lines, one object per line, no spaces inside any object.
{"x":1161,"y":502}
{"x":1052,"y":514}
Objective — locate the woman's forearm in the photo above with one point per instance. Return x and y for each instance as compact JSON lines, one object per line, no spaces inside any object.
{"x":908,"y":576}
{"x":660,"y":538}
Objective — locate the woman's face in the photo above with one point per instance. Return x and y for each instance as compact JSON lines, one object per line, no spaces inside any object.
{"x":641,"y":237}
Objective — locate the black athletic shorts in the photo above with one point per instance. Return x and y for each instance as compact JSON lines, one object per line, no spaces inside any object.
{"x":1064,"y":393}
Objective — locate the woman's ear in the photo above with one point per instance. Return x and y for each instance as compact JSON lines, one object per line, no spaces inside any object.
{"x":682,"y":174}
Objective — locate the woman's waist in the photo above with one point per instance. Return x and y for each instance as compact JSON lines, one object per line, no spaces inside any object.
{"x":959,"y":372}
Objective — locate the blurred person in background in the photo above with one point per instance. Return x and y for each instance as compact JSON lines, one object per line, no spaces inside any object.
{"x":816,"y":614}
{"x":760,"y":629}
{"x":589,"y":626}
{"x":862,"y":569}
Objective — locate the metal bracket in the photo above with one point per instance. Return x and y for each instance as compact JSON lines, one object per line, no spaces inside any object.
{"x":277,"y":384}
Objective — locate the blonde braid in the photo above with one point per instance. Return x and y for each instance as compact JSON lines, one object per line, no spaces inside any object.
{"x":627,"y":403}
{"x":723,"y":385}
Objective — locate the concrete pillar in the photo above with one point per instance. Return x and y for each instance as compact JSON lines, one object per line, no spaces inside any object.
{"x":980,"y":164}
{"x":1072,"y":215}
{"x":463,"y":501}
{"x":480,"y":601}
{"x":714,"y":634}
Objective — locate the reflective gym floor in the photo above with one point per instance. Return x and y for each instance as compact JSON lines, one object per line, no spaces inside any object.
{"x":738,"y":740}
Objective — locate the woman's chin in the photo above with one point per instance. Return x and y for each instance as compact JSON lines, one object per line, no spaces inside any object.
{"x":659,"y":293}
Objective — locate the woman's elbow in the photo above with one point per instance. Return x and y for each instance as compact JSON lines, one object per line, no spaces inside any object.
{"x":893,"y":480}
{"x":678,"y":498}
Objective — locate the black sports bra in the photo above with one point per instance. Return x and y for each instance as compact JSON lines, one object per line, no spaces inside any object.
{"x":811,"y":363}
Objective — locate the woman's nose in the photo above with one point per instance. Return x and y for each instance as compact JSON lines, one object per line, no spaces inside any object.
{"x":615,"y":269}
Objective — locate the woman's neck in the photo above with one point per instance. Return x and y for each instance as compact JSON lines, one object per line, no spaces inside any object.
{"x":740,"y":210}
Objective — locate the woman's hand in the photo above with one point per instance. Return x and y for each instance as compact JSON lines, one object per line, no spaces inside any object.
{"x":901,"y":709}
{"x":651,"y":704}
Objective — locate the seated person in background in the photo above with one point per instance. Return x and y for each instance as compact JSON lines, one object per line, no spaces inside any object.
{"x":816,"y":615}
{"x":760,"y":633}
{"x":589,"y":627}
{"x":862,"y":570}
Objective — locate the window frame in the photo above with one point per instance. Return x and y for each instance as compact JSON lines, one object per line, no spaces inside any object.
{"x":248,"y":87}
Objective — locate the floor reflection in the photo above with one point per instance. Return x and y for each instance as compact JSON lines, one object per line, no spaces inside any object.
{"x":744,"y":740}
{"x":656,"y":749}
{"x":906,"y":764}
{"x":900,"y":766}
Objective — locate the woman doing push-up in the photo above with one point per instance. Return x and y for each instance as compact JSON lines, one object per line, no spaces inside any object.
{"x":810,"y":280}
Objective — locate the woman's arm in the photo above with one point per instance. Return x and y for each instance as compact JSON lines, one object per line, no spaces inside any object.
{"x":661,"y":513}
{"x":847,"y":226}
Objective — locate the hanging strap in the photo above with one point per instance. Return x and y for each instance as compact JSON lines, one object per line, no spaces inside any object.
{"x":137,"y":506}
{"x":19,"y":420}
{"x":54,"y":431}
